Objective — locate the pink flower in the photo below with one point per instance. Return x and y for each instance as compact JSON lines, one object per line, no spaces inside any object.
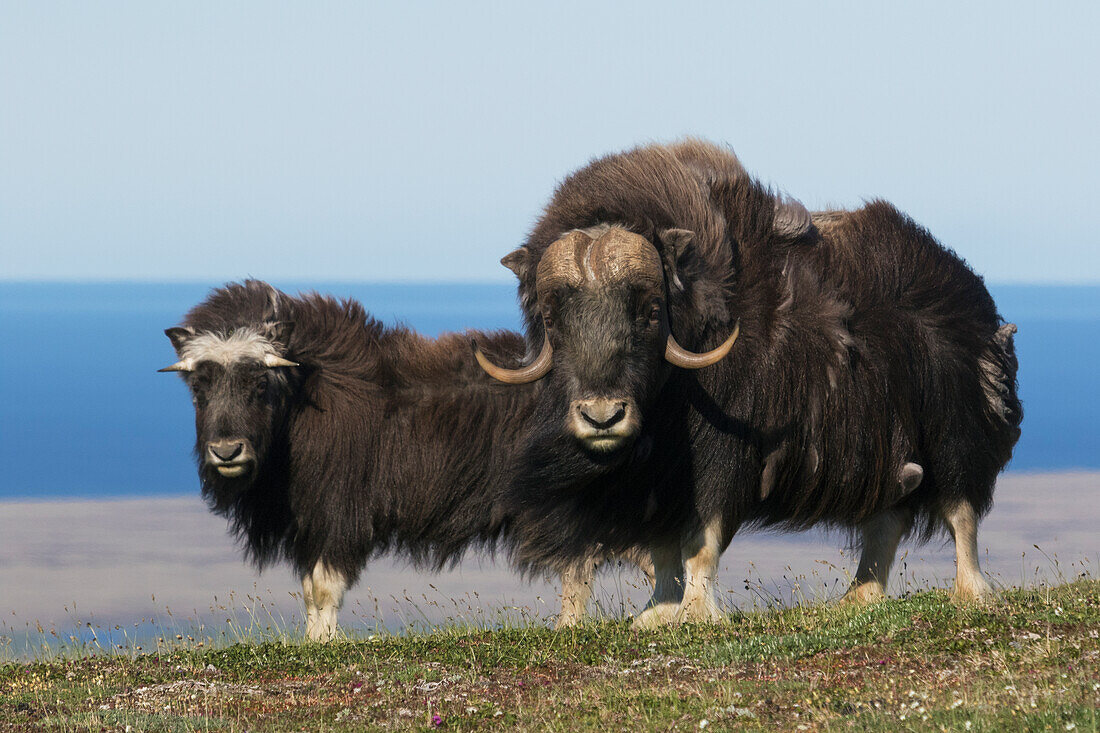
{"x":437,"y":721}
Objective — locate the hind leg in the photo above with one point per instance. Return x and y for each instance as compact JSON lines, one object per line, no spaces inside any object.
{"x":880,"y":537}
{"x":668,"y":588}
{"x":970,"y":584}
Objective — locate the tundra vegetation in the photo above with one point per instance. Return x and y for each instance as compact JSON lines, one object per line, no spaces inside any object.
{"x":1028,"y":660}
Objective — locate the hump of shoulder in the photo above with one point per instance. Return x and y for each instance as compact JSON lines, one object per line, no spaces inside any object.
{"x":881,"y":216}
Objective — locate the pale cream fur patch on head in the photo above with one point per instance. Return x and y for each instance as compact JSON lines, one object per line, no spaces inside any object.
{"x":240,"y":345}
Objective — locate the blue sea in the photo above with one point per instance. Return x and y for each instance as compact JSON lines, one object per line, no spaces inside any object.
{"x":83,"y":412}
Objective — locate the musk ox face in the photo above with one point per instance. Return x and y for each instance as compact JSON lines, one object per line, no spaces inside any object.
{"x":236,"y":387}
{"x":602,"y":297}
{"x":602,"y":305}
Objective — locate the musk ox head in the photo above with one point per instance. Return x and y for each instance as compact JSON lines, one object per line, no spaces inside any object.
{"x":607,"y":341}
{"x":238,"y":386}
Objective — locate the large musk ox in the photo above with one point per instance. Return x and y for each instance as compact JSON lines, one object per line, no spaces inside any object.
{"x":872,"y":385}
{"x":327,"y":438}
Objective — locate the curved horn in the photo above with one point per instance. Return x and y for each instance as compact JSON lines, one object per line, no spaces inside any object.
{"x":184,"y":365}
{"x":524,"y":375}
{"x":270,"y":360}
{"x":681,"y":357}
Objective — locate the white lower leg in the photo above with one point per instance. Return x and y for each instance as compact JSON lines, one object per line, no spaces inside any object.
{"x":970,"y":584}
{"x":668,"y":588}
{"x":880,"y":537}
{"x":576,"y":589}
{"x":323,"y":590}
{"x":701,"y":552}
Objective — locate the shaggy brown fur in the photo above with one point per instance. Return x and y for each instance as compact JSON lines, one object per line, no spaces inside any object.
{"x":376,"y":439}
{"x":864,"y":344}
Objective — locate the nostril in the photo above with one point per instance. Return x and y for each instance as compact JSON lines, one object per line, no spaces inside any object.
{"x":226,"y":451}
{"x":603,"y":416}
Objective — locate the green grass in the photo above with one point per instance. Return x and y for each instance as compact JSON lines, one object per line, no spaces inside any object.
{"x":1028,"y":661}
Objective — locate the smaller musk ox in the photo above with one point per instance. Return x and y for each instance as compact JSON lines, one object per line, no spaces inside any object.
{"x":872,"y":386}
{"x":327,"y":438}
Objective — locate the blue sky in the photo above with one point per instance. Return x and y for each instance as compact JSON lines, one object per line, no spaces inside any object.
{"x":417,"y":141}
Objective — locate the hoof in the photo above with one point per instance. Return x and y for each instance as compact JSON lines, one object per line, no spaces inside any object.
{"x":699,"y":614}
{"x":974,"y":590}
{"x":319,"y":630}
{"x":654,"y":617}
{"x":566,"y":621}
{"x":863,"y":594}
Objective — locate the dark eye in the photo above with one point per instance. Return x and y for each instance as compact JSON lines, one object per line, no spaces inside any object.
{"x":547,"y":320}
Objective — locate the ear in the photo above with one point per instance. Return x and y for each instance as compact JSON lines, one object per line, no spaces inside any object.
{"x":279,"y":332}
{"x":518,"y":261}
{"x":271,"y":309}
{"x":676,"y":243}
{"x":791,"y":219}
{"x":684,"y":265}
{"x":179,"y":336}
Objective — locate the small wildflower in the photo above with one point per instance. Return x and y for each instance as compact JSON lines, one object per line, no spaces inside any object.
{"x":437,"y":720}
{"x":967,"y":725}
{"x":1071,"y":726}
{"x":703,"y":723}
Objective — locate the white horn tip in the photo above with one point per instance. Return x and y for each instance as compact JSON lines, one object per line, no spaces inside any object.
{"x":277,"y":361}
{"x":186,"y":365}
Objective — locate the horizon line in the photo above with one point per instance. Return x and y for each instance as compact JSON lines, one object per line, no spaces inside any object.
{"x":398,"y":281}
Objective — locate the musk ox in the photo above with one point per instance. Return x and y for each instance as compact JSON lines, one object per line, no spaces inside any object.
{"x":326,"y":438}
{"x":872,"y":385}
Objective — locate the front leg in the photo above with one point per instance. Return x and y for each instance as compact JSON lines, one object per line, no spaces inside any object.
{"x":576,"y":589}
{"x":323,"y":591}
{"x":576,"y":583}
{"x":701,"y":551}
{"x":668,"y":588}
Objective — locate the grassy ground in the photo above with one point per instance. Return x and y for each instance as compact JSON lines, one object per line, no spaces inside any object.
{"x":1028,"y":661}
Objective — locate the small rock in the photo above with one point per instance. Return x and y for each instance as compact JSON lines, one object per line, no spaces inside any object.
{"x":740,"y":712}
